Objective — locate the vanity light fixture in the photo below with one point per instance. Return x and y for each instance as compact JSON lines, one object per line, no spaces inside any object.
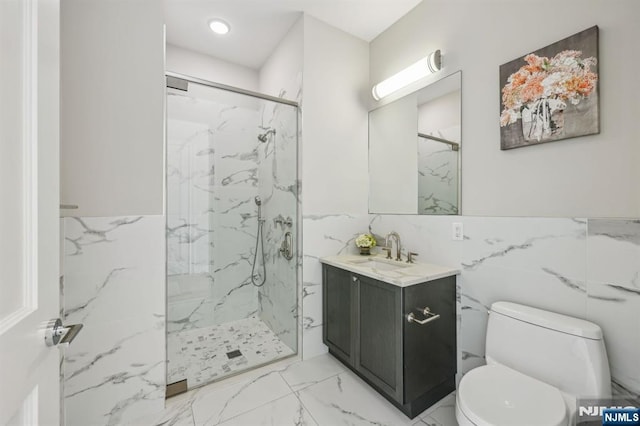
{"x":425,"y":66}
{"x":218,"y":26}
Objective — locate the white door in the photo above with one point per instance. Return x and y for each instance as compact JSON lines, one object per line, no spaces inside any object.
{"x":29,"y":210}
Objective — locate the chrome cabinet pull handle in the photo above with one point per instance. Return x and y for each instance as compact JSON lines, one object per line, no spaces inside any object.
{"x":429,"y":316}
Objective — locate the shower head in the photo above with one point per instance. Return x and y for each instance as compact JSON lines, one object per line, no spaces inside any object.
{"x":263,"y":137}
{"x":258,"y":201}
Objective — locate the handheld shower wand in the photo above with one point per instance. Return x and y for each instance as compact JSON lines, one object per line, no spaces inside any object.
{"x":255,"y":278}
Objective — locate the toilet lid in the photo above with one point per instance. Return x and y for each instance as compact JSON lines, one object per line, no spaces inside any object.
{"x":494,"y":395}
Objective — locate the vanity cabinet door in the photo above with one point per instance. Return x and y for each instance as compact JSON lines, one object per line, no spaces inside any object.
{"x":338,"y":312}
{"x":379,"y":335}
{"x":430,"y":349}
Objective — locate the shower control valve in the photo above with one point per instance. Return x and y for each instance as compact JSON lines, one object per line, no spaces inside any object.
{"x":282,"y":221}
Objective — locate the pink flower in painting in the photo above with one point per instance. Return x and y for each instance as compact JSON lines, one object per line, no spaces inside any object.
{"x":532,"y":89}
{"x":565,"y":77}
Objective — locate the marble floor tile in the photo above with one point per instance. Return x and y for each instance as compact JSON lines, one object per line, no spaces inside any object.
{"x":200,"y":355}
{"x":345,"y":399}
{"x":263,"y":397}
{"x":286,"y":411}
{"x":428,"y":421}
{"x":177,"y":412}
{"x":310,"y":372}
{"x":212,"y":408}
{"x":443,"y":413}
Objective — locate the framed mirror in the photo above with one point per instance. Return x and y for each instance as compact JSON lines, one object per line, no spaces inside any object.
{"x":414,"y":151}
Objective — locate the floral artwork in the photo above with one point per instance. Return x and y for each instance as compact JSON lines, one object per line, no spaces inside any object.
{"x":551,"y":94}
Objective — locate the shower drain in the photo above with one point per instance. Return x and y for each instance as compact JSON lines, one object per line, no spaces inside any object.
{"x":234,"y":354}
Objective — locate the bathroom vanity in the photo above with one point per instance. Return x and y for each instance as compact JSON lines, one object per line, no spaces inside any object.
{"x":394,"y":325}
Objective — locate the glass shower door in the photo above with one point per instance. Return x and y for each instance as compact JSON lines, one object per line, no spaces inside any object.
{"x":232,"y":291}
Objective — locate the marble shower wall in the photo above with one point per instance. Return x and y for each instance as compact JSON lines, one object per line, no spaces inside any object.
{"x":212,"y":180}
{"x":438,"y":174}
{"x":279,"y":192}
{"x":583,"y":268}
{"x":114,"y":283}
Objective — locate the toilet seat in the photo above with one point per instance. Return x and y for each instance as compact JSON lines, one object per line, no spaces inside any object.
{"x":495,"y":395}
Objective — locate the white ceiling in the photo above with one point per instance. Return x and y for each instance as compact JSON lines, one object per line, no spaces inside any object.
{"x":257,"y":26}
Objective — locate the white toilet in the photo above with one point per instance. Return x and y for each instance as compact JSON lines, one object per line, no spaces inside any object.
{"x":538,"y":363}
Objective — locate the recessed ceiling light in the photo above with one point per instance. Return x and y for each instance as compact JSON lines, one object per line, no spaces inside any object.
{"x":218,"y":26}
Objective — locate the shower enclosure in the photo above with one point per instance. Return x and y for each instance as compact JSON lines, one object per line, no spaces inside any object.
{"x":231,"y":230}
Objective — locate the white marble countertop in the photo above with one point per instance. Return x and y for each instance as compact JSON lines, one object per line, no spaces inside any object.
{"x":401,"y":274}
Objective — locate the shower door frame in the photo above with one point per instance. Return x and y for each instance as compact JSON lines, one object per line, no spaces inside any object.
{"x":298,"y":227}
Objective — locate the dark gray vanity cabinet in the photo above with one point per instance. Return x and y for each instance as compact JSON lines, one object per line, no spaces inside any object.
{"x":366,"y":327}
{"x":337,"y":299}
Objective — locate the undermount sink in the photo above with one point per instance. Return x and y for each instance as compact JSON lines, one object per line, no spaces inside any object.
{"x":380,"y":264}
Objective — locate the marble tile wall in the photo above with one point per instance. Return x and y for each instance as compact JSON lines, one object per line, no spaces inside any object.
{"x":579,"y":267}
{"x":438,"y":174}
{"x":613,"y":299}
{"x":278,"y":298}
{"x":114,"y":284}
{"x":324,"y":235}
{"x":212,"y":180}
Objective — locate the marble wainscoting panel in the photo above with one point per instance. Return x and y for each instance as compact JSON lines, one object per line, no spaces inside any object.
{"x":613,"y":272}
{"x":114,"y":271}
{"x":534,"y":261}
{"x":113,"y":262}
{"x":324,"y":235}
{"x":115,"y":372}
{"x":429,"y":236}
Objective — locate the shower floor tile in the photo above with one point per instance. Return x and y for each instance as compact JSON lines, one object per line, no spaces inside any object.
{"x":210,"y":353}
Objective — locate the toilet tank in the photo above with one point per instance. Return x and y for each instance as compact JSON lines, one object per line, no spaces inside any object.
{"x":563,"y":351}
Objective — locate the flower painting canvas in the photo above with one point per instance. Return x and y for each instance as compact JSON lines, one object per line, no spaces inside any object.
{"x":552,"y":93}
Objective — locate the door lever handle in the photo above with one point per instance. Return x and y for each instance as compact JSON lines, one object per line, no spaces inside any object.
{"x":56,"y":333}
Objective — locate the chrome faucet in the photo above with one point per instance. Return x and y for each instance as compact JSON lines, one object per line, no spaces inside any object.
{"x":398,"y":247}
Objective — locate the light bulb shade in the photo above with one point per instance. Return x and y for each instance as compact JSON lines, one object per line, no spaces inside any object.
{"x":425,"y":66}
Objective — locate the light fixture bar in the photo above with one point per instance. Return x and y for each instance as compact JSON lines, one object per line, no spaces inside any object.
{"x":425,"y":66}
